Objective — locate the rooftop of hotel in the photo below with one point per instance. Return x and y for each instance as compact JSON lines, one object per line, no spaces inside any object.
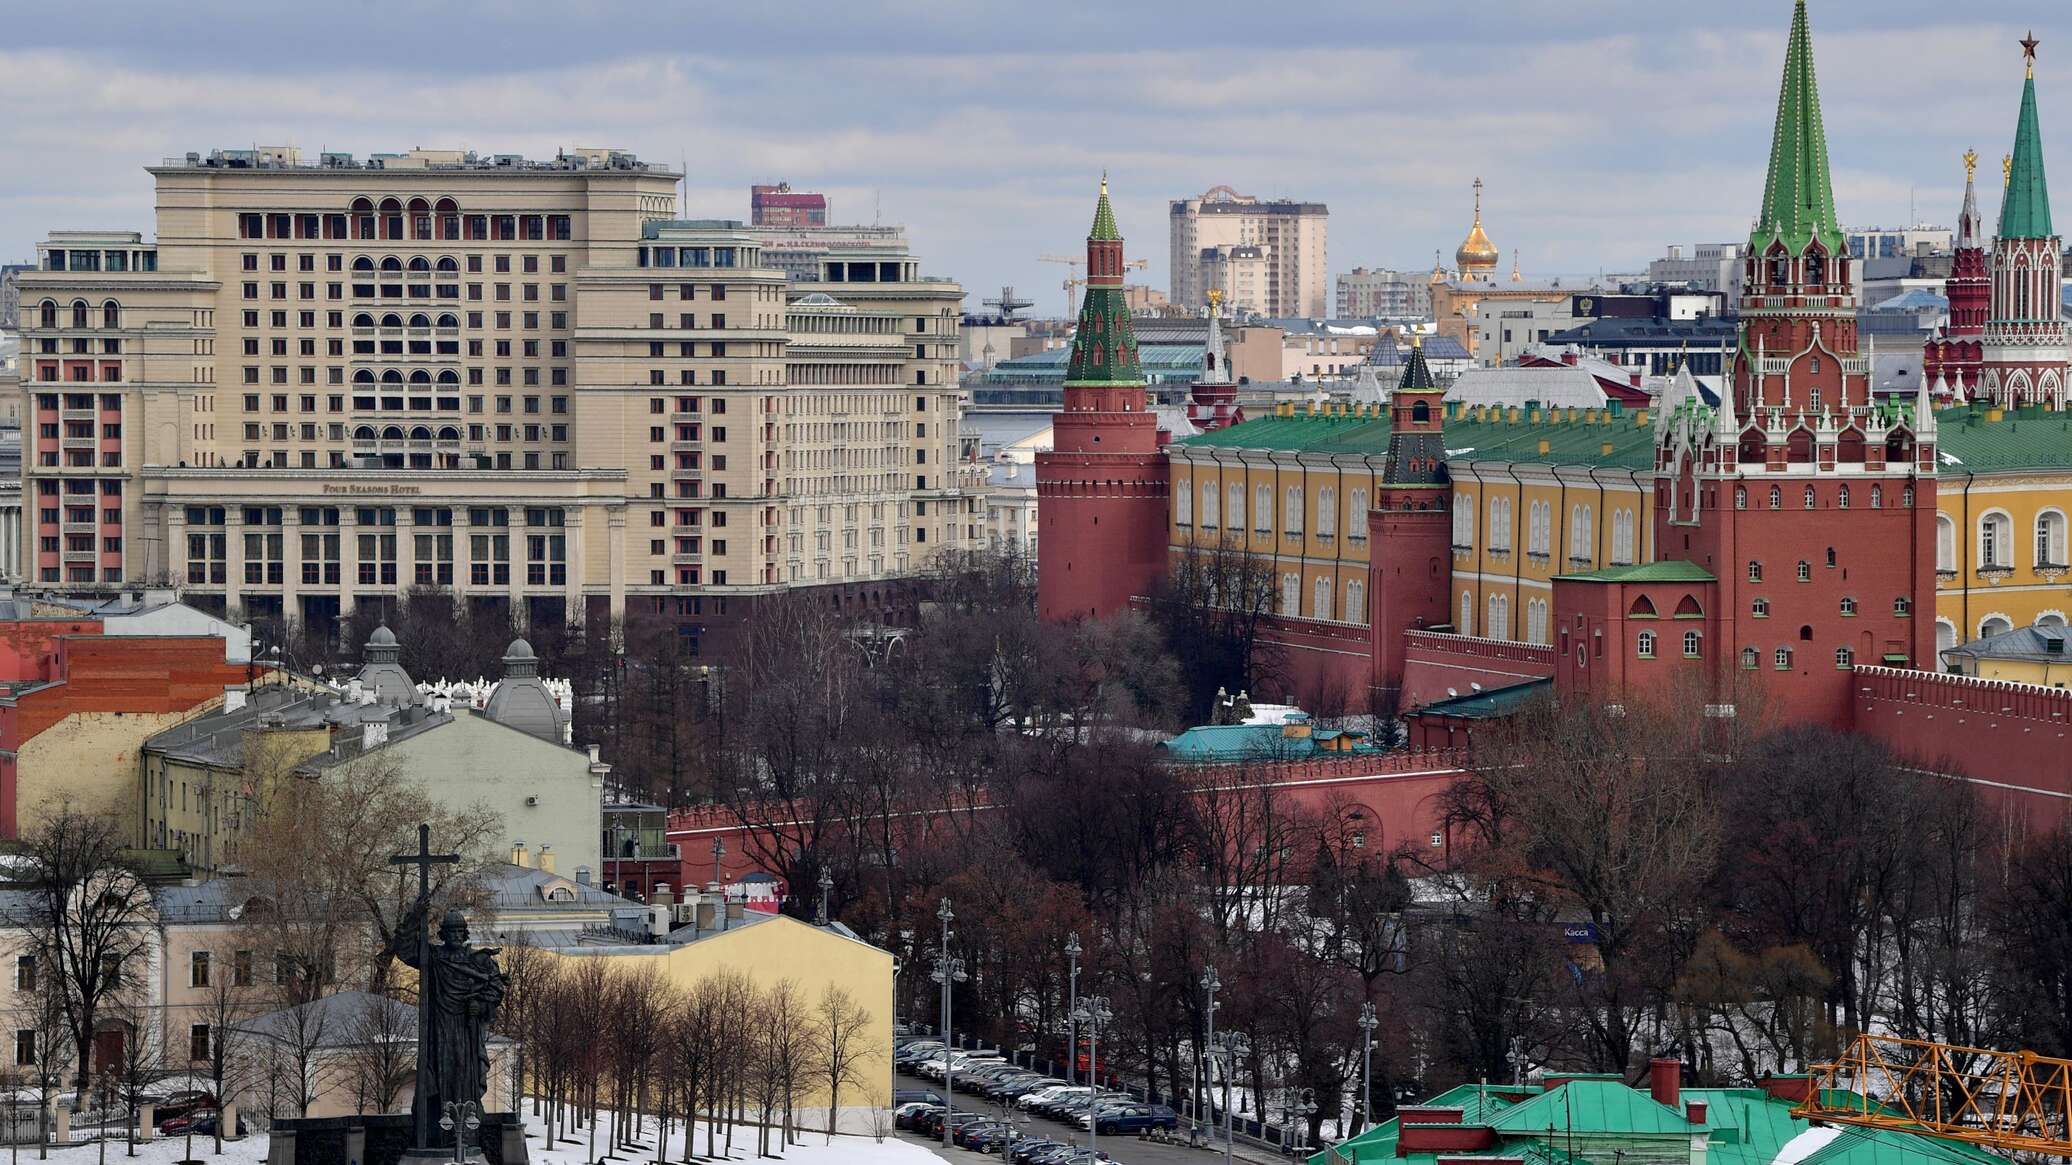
{"x":1971,"y":439}
{"x":416,"y":158}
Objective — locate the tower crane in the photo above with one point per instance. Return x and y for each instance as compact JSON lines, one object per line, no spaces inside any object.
{"x":2011,"y":1101}
{"x":1073,"y":282}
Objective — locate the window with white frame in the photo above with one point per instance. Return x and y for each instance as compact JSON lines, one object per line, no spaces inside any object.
{"x":1320,"y":599}
{"x":1209,"y":494}
{"x":1694,"y":644}
{"x":1622,"y":537}
{"x":1499,"y":617}
{"x":1294,"y":511}
{"x":1291,"y":594}
{"x":1463,"y":521}
{"x":1183,"y":506}
{"x":1945,"y":543}
{"x":1327,"y":512}
{"x":1500,"y":524}
{"x":1995,"y":540}
{"x":1644,"y":645}
{"x":1356,"y":514}
{"x":1582,"y":534}
{"x":1355,"y":601}
{"x":1750,"y":657}
{"x":1262,"y":509}
{"x":1540,"y":528}
{"x":1234,"y":515}
{"x":1844,"y":657}
{"x":1467,"y":614}
{"x":2050,"y":538}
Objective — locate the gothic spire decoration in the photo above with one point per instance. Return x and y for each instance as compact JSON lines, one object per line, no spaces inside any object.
{"x":2025,"y":208}
{"x":1798,"y":193}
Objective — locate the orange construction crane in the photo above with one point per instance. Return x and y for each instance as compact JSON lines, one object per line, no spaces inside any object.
{"x":2017,"y":1101}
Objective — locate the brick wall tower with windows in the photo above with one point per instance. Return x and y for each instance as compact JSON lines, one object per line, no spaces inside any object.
{"x":1410,"y":526}
{"x":1810,"y":502}
{"x":1103,"y":486}
{"x":1950,"y":359}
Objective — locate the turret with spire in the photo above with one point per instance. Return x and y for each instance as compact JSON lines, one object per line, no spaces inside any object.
{"x":1102,"y":488}
{"x":1955,"y":349}
{"x":1212,"y":399}
{"x":2023,"y":343}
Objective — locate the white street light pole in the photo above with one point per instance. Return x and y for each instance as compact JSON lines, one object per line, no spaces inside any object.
{"x":1095,"y":1014}
{"x":1368,"y":1023}
{"x":1210,"y":984}
{"x":948,"y":972}
{"x":1072,"y":953}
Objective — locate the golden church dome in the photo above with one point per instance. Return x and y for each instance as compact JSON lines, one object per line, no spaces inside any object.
{"x":1477,"y":256}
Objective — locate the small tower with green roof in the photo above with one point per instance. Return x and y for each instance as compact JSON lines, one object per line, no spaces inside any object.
{"x":1411,"y":526}
{"x":1101,"y":491}
{"x":2023,"y":350}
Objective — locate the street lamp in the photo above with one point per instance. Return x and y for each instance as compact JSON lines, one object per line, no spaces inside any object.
{"x":827,"y":883}
{"x":1210,"y":984}
{"x":1367,"y":1025}
{"x":1094,"y":1013}
{"x":1072,"y":952}
{"x":949,"y":971}
{"x":1305,"y":1107}
{"x":719,"y":851}
{"x":460,"y":1120}
{"x":1231,"y":1048}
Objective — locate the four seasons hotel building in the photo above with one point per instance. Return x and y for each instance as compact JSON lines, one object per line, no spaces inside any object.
{"x":326,"y":382}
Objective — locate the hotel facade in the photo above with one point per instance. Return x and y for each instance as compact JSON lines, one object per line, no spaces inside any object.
{"x":326,"y":382}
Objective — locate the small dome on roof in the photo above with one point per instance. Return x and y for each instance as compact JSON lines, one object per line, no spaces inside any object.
{"x":519,"y":649}
{"x":382,"y":637}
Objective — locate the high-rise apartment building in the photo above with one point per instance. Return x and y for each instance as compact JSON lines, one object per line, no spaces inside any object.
{"x":528,"y":382}
{"x":1379,"y":293}
{"x":1209,"y":235}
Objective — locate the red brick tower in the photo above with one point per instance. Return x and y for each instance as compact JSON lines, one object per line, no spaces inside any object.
{"x":1950,"y":363}
{"x":1212,"y":400}
{"x":1812,"y":504}
{"x":1410,"y":527}
{"x":1101,"y":491}
{"x":2024,"y":345}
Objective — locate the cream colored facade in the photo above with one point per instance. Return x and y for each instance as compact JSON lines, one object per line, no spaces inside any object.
{"x":1291,"y":237}
{"x":328,"y":381}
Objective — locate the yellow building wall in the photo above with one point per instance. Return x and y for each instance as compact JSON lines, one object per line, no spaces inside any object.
{"x":1335,"y":549}
{"x":89,"y":759}
{"x":1968,"y":593}
{"x":813,"y":959}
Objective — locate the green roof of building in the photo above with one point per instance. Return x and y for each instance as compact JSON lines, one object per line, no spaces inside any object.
{"x":1798,"y":191}
{"x":1496,"y":702}
{"x":1670,"y":570}
{"x":1859,"y":1146}
{"x":1104,"y":228}
{"x":1479,"y":1105}
{"x":2025,"y":206}
{"x":1233,"y":743}
{"x":1467,"y":439}
{"x":2022,"y":439}
{"x":1592,"y":1106}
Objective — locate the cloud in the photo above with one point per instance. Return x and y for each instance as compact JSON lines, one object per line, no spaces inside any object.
{"x":1603,"y":131}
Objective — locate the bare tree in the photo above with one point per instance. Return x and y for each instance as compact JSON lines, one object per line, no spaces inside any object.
{"x":143,"y":1059}
{"x":88,"y":918}
{"x":381,"y":1053}
{"x":839,"y":1027}
{"x":227,"y":1002}
{"x":51,"y":1053}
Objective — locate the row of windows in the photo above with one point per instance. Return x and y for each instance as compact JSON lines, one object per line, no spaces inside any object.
{"x":439,"y":220}
{"x":1217,"y":512}
{"x":83,"y":314}
{"x":1996,"y":543}
{"x":1810,"y":498}
{"x":1322,"y":600}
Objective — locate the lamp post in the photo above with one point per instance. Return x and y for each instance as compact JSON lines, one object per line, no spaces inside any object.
{"x":949,"y":971}
{"x":1232,"y":1048}
{"x":1210,"y":984}
{"x":898,"y":965}
{"x":1072,"y":952}
{"x":460,"y":1120}
{"x":827,"y":884}
{"x":1367,"y":1025}
{"x":1304,"y":1108}
{"x":1094,"y":1013}
{"x":719,"y":851}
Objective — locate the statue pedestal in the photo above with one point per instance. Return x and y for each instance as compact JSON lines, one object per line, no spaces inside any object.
{"x":385,"y":1140}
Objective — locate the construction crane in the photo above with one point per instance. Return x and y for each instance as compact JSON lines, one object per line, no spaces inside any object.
{"x":1008,"y":304}
{"x":1074,"y":282}
{"x":2012,"y":1101}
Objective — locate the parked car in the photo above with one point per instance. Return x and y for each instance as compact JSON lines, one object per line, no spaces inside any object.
{"x":1029,"y":1147}
{"x":205,"y":1126}
{"x":184,"y":1105}
{"x":1131,"y":1118}
{"x":903,"y":1116}
{"x":909,"y":1095}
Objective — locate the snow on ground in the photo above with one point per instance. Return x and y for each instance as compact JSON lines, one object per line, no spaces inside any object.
{"x":813,"y":1149}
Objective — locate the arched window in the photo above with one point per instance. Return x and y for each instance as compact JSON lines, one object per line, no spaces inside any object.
{"x":1809,"y":497}
{"x":1540,"y":532}
{"x":1235,"y":514}
{"x":1993,"y":625}
{"x":1830,"y":556}
{"x":1327,"y":512}
{"x":111,"y":314}
{"x":1902,"y":606}
{"x":1320,"y":600}
{"x":1945,"y":543}
{"x":1995,"y":540}
{"x":1780,"y":269}
{"x":1355,"y":601}
{"x":1463,"y":521}
{"x":1291,"y":594}
{"x":1782,"y":658}
{"x":420,"y":320}
{"x":1499,"y":617}
{"x":1842,"y":498}
{"x":1740,"y":497}
{"x":1776,"y":498}
{"x":1420,"y":412}
{"x":1749,"y":658}
{"x":2050,"y":538}
{"x":48,"y":315}
{"x":1183,"y":506}
{"x":1356,"y":513}
{"x":1694,"y":644}
{"x":1294,"y":511}
{"x":1467,"y":614}
{"x":1582,"y":535}
{"x":1755,"y":571}
{"x":1877,"y":497}
{"x":1906,"y":497}
{"x":1848,"y":605}
{"x":1805,"y":571}
{"x":1262,"y":509}
{"x":1499,"y":523}
{"x":1760,"y":608}
{"x":1844,"y":657}
{"x":363,"y":264}
{"x":81,"y":314}
{"x":1644,"y":645}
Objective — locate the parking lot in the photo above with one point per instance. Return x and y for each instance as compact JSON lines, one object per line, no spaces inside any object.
{"x":1123,"y":1149}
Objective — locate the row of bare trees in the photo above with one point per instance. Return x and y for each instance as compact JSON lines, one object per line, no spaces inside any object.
{"x":615,"y":1049}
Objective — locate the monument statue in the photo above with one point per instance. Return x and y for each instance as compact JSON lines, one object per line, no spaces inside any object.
{"x":458,"y":991}
{"x":459,"y":988}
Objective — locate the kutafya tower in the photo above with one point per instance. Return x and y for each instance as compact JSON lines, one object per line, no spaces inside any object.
{"x":1102,"y":488}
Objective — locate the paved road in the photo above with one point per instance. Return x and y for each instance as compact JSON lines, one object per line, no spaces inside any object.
{"x":1124,"y":1150}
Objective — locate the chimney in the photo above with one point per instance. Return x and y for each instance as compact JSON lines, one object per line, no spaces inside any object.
{"x":1694,"y":1111}
{"x":663,"y":896}
{"x":1665,"y":1081}
{"x":233,"y":699}
{"x":1633,"y":379}
{"x":518,"y":855}
{"x":1569,"y":357}
{"x":1605,"y":449}
{"x":735,"y":910}
{"x":704,"y":914}
{"x":547,"y":858}
{"x":1795,"y":1088}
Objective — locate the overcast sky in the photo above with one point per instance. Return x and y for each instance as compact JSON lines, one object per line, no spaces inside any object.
{"x":1603,"y":129}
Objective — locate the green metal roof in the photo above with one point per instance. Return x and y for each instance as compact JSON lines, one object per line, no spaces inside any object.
{"x":1798,"y":192}
{"x":1104,"y":217}
{"x":2025,"y":207}
{"x":1592,"y":1106}
{"x":2022,"y":439}
{"x":1495,"y":702}
{"x":1467,"y":439}
{"x":1668,"y":570}
{"x":1859,"y":1146}
{"x":1479,"y":1105}
{"x":1231,"y":743}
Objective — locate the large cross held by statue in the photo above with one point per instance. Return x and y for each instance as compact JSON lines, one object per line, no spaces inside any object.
{"x":424,"y":859}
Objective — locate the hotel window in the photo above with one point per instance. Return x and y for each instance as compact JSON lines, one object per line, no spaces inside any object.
{"x":377,"y":564}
